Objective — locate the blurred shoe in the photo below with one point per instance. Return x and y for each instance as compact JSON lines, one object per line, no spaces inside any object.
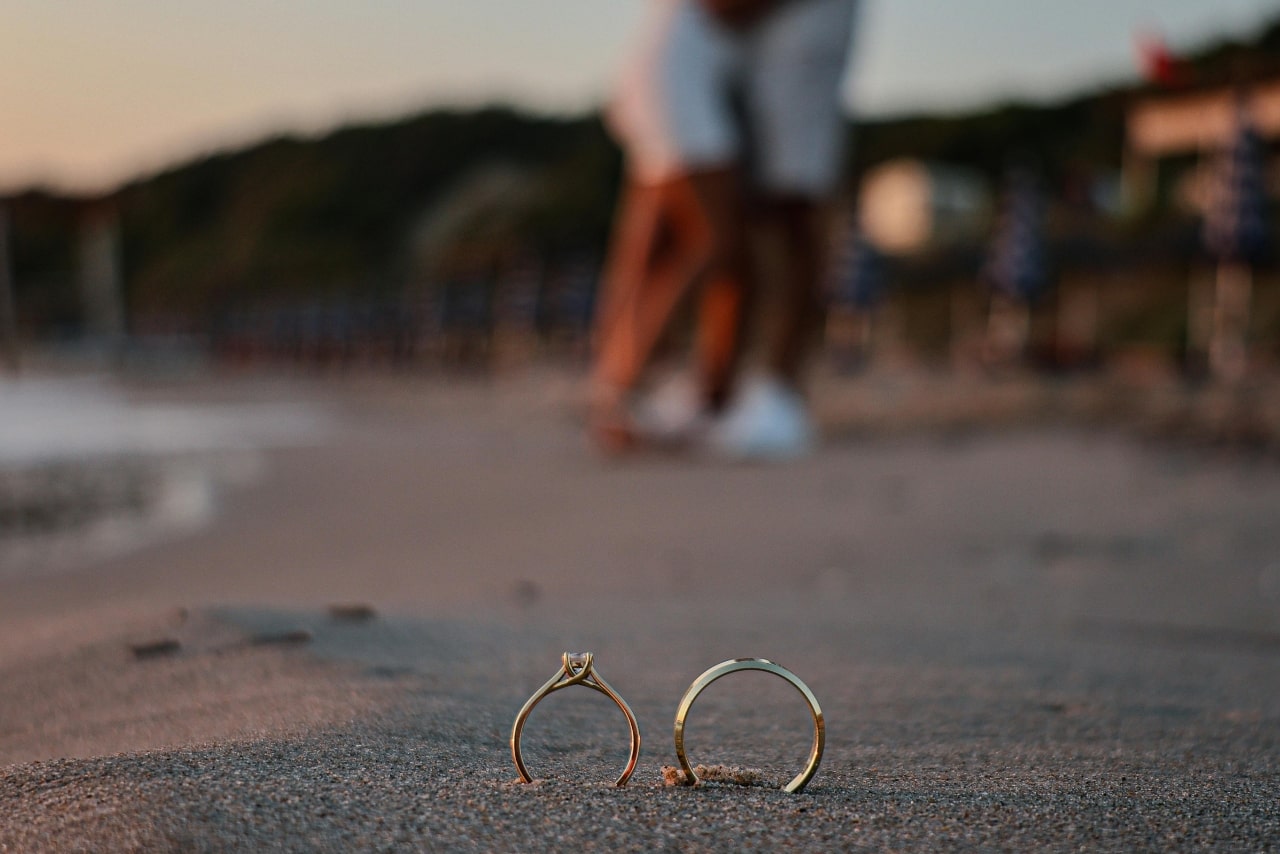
{"x":670,"y":418}
{"x":672,"y":415}
{"x":769,"y":422}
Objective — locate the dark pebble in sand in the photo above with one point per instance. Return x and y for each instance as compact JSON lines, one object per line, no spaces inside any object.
{"x":288,"y":637}
{"x":352,"y":613}
{"x":155,"y":649}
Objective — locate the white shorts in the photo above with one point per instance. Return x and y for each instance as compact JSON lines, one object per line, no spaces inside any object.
{"x":794,"y":66}
{"x":672,"y":110}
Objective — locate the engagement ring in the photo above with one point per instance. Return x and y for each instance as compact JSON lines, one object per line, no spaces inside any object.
{"x":577,"y":668}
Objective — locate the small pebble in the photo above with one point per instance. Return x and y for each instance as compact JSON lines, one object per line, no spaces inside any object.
{"x":287,"y":637}
{"x":354,"y":612}
{"x":156,"y":648}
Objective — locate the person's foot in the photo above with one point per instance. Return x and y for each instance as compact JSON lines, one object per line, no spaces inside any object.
{"x":673,"y":415}
{"x":609,"y":424}
{"x":769,"y":422}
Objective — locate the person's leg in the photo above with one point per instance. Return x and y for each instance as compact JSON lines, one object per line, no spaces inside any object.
{"x":726,"y":293}
{"x":633,"y":246}
{"x":796,"y":63}
{"x":671,"y":115}
{"x":633,"y":251}
{"x":799,"y":223}
{"x":699,"y":213}
{"x":722,"y":316}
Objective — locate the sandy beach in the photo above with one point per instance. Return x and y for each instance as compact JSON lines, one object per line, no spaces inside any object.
{"x":1037,"y":635}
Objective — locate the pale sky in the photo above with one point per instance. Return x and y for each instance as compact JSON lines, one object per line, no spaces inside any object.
{"x":93,"y":92}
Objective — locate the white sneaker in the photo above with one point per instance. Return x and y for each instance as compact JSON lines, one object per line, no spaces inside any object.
{"x":769,"y":422}
{"x":672,"y":414}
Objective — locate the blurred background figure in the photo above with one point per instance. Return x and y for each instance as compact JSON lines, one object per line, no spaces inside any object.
{"x":1236,"y":235}
{"x":855,"y":290}
{"x":796,"y":125}
{"x":679,"y":222}
{"x":1016,"y":270}
{"x":730,"y":115}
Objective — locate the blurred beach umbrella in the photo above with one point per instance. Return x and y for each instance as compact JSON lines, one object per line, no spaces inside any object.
{"x":573,"y":293}
{"x":466,"y":319}
{"x":8,"y":313}
{"x":1236,"y":235}
{"x":1235,"y":227}
{"x":516,"y":303}
{"x":855,"y":287}
{"x":856,"y":277}
{"x":520,"y":289}
{"x":1016,"y":264}
{"x":1016,"y":269}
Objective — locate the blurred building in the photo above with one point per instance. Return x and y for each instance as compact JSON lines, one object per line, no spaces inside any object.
{"x":1168,"y":136}
{"x":907,"y":205}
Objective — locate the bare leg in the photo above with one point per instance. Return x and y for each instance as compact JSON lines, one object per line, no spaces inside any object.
{"x":632,"y":249}
{"x":701,"y":213}
{"x":722,"y":318}
{"x":723,"y":311}
{"x":803,"y":245}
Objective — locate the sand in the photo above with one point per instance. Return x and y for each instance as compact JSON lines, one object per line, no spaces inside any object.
{"x":1034,"y":637}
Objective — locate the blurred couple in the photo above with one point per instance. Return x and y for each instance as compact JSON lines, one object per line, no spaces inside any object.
{"x":730,"y":121}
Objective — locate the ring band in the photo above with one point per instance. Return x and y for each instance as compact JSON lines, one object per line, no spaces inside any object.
{"x":725,"y":668}
{"x":577,"y":668}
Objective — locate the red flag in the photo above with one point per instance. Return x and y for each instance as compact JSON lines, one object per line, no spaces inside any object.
{"x":1158,"y":63}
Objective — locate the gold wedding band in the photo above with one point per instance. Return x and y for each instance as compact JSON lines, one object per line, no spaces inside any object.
{"x":577,"y":668}
{"x":725,"y":668}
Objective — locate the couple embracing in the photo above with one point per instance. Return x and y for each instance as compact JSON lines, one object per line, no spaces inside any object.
{"x":729,"y":116}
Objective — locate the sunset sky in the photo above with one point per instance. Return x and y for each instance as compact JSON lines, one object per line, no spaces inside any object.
{"x":95,"y":92}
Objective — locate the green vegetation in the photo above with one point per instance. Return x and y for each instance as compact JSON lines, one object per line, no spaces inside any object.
{"x":336,"y":214}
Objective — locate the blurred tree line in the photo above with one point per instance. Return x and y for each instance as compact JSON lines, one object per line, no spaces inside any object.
{"x":343,"y":214}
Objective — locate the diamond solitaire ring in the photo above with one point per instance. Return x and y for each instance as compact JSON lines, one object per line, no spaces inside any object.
{"x":577,"y":668}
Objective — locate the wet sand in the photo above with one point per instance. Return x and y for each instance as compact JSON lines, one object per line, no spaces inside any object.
{"x":1032,"y":637}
